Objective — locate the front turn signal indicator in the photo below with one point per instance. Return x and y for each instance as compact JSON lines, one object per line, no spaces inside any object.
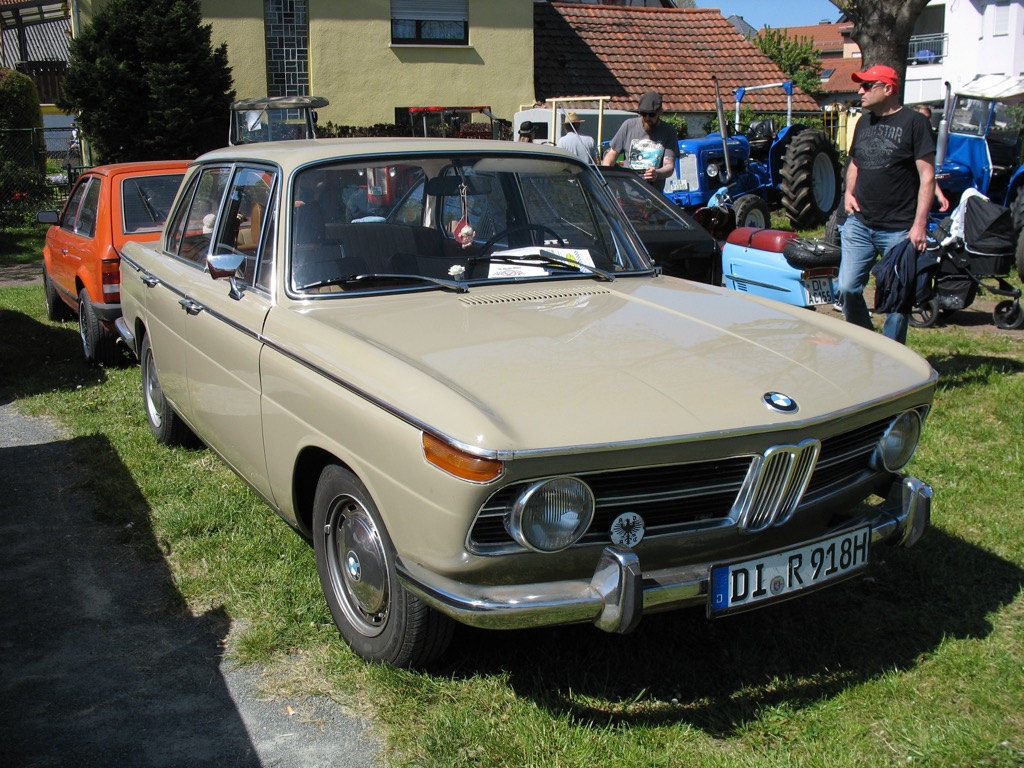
{"x":460,"y":463}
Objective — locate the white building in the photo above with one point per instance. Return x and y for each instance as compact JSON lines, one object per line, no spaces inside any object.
{"x":955,"y":40}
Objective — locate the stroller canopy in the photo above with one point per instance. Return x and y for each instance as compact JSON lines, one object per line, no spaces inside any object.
{"x":988,"y":227}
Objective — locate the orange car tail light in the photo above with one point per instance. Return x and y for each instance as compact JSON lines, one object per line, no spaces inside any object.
{"x":110,"y":271}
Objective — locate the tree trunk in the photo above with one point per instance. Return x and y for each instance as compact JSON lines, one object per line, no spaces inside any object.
{"x":882,"y":29}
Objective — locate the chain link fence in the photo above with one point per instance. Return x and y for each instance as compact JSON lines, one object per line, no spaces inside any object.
{"x":37,"y":168}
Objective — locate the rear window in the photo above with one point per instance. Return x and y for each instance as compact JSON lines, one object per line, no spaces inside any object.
{"x":145,"y":201}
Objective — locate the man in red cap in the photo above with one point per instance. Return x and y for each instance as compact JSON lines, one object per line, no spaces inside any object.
{"x":890,"y":185}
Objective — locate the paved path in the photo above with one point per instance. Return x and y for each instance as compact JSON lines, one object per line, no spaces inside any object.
{"x":100,"y":665}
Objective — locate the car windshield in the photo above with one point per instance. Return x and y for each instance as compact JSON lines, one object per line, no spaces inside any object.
{"x":429,"y":222}
{"x":646,"y":210}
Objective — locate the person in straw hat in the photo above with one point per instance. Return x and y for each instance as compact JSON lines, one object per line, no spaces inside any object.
{"x":578,"y":143}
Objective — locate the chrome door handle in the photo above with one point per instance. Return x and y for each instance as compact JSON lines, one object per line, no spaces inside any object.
{"x":190,"y":306}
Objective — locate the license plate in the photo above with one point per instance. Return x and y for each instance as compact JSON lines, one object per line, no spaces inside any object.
{"x":780,"y":575}
{"x":819,"y":290}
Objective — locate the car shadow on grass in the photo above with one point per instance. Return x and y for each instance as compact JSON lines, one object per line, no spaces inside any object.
{"x":958,"y":370}
{"x":101,"y":663}
{"x":719,"y":675}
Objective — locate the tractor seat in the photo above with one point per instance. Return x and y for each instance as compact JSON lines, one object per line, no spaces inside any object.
{"x":773,"y":240}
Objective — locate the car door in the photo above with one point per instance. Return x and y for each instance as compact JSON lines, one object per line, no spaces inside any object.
{"x":74,"y":239}
{"x":225,"y":326}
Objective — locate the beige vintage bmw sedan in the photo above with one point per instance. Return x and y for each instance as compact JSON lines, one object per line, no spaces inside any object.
{"x":451,"y":365}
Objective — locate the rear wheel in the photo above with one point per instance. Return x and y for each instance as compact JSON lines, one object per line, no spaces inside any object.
{"x":1020,"y":252}
{"x":166,"y":426}
{"x":811,"y":180}
{"x":925,"y":315}
{"x":99,"y":345}
{"x":381,"y":620}
{"x":751,"y":211}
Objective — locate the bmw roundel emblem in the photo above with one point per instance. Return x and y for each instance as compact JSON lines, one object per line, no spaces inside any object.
{"x":780,"y":402}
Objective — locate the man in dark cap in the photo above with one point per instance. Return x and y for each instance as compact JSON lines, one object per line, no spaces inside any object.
{"x":650,"y":146}
{"x":527,"y":131}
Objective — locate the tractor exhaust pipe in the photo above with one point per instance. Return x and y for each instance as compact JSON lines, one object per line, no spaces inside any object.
{"x":723,"y":129}
{"x":943,"y":137}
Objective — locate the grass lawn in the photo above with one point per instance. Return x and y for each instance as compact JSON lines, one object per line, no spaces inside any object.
{"x":921,"y":662}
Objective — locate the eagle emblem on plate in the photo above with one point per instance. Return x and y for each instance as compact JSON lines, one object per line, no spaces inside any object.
{"x":627,"y":529}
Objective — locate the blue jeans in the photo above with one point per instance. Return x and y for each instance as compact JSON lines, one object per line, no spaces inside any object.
{"x":862,"y":246}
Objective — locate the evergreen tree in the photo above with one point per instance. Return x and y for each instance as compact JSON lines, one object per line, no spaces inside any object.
{"x":797,"y":58}
{"x":147,"y":83}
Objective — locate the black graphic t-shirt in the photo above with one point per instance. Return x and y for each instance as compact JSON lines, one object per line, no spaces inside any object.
{"x":886,"y":150}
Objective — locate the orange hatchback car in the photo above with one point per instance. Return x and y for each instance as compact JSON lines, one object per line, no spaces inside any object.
{"x":109,"y":205}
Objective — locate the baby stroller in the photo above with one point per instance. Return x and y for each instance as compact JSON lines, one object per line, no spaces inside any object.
{"x":977,"y":241}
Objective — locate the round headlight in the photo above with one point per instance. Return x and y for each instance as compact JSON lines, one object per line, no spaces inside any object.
{"x":712,"y":171}
{"x":551,"y":515}
{"x":899,"y":442}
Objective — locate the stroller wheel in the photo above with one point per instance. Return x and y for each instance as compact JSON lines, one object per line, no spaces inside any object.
{"x":925,"y":315}
{"x":1008,"y":314}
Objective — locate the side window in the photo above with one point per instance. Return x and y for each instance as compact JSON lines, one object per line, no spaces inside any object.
{"x":242,"y":221}
{"x":193,"y":224}
{"x":88,"y":213}
{"x":70,"y":219}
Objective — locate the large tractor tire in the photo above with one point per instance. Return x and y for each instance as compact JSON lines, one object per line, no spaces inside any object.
{"x":811,"y":180}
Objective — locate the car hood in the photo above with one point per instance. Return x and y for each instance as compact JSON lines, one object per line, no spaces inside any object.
{"x":578,"y":363}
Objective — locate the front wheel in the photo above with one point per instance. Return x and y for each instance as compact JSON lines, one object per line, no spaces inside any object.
{"x":381,"y":620}
{"x":56,"y":309}
{"x":751,"y":211}
{"x":925,"y":315}
{"x":1008,"y":315}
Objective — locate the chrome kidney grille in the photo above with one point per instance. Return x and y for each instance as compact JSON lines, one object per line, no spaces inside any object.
{"x":775,"y":484}
{"x":751,"y":492}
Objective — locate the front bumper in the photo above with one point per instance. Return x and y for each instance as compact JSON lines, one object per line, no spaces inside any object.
{"x":620,"y":592}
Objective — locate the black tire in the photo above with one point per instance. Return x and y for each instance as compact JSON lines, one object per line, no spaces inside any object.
{"x":832,"y":227}
{"x":925,"y":315}
{"x":801,"y":253}
{"x":99,"y":345}
{"x":810,"y":179}
{"x":1017,"y":210}
{"x":751,"y":211}
{"x":166,"y":426}
{"x":1008,"y":315}
{"x":381,"y":620}
{"x":1020,"y":254}
{"x":56,"y":309}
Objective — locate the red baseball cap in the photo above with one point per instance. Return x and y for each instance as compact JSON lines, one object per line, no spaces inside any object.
{"x":878,"y":74}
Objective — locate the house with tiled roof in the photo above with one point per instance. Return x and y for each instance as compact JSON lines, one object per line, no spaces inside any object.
{"x":621,"y":52}
{"x":839,"y":56}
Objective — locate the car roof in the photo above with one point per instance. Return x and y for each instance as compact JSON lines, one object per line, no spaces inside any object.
{"x":156,"y":166}
{"x":292,"y":154}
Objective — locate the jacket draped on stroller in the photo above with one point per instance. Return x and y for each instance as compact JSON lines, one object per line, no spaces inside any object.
{"x":976,"y":241}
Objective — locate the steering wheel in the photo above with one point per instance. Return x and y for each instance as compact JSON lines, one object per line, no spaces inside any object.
{"x":486,"y":247}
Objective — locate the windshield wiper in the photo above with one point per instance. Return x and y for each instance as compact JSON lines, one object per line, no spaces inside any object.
{"x":451,"y":284}
{"x":546,"y":258}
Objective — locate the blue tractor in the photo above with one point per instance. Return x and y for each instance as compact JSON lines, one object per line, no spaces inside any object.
{"x":762,"y":168}
{"x":980,"y":146}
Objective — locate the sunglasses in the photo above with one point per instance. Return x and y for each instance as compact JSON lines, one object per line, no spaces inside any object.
{"x":869,"y":86}
{"x":648,"y":114}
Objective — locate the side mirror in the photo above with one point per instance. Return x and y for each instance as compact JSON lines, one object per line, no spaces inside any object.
{"x":48,"y":217}
{"x":222,"y":265}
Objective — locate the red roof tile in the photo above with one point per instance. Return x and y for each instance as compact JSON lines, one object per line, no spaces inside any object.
{"x":827,"y":38}
{"x":841,"y":81}
{"x":621,"y":52}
